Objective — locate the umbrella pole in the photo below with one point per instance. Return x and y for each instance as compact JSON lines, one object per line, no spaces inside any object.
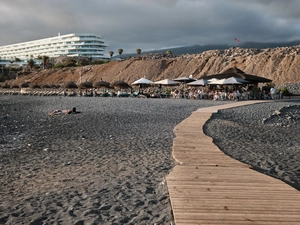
{"x":160,"y":90}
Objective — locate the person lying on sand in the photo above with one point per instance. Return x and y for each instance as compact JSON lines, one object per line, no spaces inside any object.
{"x":63,"y":112}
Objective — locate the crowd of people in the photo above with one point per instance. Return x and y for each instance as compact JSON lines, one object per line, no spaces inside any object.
{"x":217,"y":94}
{"x":201,"y":92}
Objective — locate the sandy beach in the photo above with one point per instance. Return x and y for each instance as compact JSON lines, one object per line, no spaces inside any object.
{"x":265,"y":136}
{"x":105,"y":165}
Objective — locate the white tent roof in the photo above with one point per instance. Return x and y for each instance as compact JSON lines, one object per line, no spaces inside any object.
{"x":235,"y":80}
{"x":230,"y":80}
{"x":143,"y":81}
{"x":167,"y":82}
{"x":217,"y":81}
{"x":184,"y":79}
{"x":198,"y":82}
{"x":212,"y":79}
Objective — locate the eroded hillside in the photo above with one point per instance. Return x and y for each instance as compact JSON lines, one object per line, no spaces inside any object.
{"x":282,"y":65}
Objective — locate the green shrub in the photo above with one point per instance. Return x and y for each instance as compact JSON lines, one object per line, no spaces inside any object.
{"x":70,"y":62}
{"x":2,"y":78}
{"x":59,"y":66}
{"x":285,"y":91}
{"x":267,"y":87}
{"x":167,"y":91}
{"x":98,"y":62}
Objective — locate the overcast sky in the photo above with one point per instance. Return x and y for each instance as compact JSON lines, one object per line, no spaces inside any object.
{"x":152,"y":24}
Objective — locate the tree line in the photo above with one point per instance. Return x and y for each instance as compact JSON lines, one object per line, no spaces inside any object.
{"x":138,"y":52}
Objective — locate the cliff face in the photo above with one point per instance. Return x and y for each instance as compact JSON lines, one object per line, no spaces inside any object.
{"x":282,"y":65}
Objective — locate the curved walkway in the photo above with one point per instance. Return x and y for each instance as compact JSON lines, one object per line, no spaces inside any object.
{"x":209,"y":187}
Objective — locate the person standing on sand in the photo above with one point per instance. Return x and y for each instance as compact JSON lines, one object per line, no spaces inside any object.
{"x":280,"y":94}
{"x":272,"y":92}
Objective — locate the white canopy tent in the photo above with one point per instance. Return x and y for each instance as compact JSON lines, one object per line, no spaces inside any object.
{"x":167,"y":82}
{"x":200,"y":82}
{"x":184,"y":79}
{"x":142,"y":81}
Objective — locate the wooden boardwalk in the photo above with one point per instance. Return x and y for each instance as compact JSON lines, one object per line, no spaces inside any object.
{"x":209,"y":187}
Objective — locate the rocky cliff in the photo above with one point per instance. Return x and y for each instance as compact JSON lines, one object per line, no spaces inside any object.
{"x":282,"y":65}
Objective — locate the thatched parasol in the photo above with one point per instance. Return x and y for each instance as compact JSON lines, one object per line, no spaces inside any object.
{"x":101,"y":84}
{"x":5,"y":86}
{"x":15,"y":86}
{"x":46,"y":86}
{"x":121,"y":84}
{"x":54,"y":86}
{"x":35,"y":86}
{"x":235,"y":72}
{"x":85,"y":85}
{"x":71,"y":84}
{"x":25,"y":85}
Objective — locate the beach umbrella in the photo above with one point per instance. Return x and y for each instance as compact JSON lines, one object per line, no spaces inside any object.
{"x":218,"y":81}
{"x":25,"y":85}
{"x":121,"y":84}
{"x":85,"y":85}
{"x":54,"y":86}
{"x":212,"y":80}
{"x":184,"y":79}
{"x":71,"y":84}
{"x":101,"y":84}
{"x":15,"y":86}
{"x":200,"y":82}
{"x":46,"y":86}
{"x":35,"y":86}
{"x":142,"y":81}
{"x":235,"y":72}
{"x":5,"y":86}
{"x":235,"y":80}
{"x":167,"y":82}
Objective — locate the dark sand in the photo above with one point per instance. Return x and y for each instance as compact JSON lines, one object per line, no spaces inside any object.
{"x":105,"y":165}
{"x":266,"y":136}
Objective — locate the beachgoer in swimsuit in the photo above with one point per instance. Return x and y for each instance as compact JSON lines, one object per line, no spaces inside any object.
{"x":63,"y":112}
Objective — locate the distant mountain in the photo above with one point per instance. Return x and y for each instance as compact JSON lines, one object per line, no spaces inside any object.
{"x":194,"y":49}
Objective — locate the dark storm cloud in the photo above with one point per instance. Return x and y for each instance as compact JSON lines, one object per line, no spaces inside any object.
{"x":131,"y":24}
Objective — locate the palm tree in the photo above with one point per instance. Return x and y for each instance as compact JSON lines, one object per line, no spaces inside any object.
{"x":45,"y":60}
{"x":10,"y":67}
{"x":31,"y":63}
{"x":138,"y":51}
{"x":111,"y":53}
{"x":120,"y":51}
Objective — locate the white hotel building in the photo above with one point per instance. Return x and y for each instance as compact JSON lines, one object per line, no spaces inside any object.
{"x":83,"y":45}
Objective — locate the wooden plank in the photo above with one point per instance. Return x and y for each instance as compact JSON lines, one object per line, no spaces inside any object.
{"x":209,"y":187}
{"x":231,"y":222}
{"x":201,"y":222}
{"x":242,"y":216}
